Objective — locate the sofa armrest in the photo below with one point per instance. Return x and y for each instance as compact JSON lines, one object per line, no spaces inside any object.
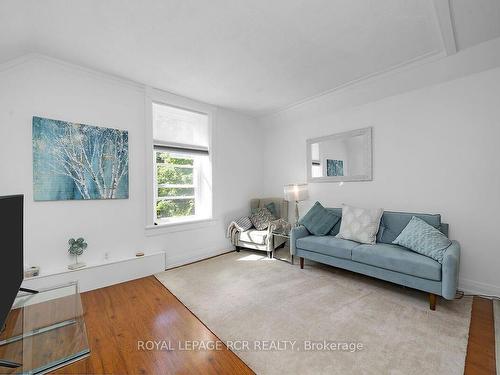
{"x":295,"y":234}
{"x":450,"y":268}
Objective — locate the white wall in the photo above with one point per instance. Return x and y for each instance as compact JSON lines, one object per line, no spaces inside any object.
{"x":435,"y":150}
{"x":53,"y":89}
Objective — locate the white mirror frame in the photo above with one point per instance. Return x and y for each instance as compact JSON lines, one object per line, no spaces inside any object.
{"x":367,"y":157}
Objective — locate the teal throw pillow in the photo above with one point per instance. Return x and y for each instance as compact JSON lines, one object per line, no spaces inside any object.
{"x":318,"y":220}
{"x":423,"y":239}
{"x":272,"y":208}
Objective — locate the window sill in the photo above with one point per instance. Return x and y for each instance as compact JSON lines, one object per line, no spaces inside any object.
{"x":179,"y":226}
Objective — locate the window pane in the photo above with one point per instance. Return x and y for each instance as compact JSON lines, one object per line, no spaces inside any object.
{"x":167,"y":158}
{"x":316,"y":171}
{"x":174,"y":169}
{"x":172,"y":208}
{"x":175,"y":192}
{"x":174,"y":175}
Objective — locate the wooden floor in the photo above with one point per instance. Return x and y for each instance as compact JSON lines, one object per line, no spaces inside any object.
{"x":120,"y":315}
{"x":481,"y":348}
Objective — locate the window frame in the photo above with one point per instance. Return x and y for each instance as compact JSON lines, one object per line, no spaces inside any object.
{"x":154,"y":96}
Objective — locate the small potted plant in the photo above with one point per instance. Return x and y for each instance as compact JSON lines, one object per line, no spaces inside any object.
{"x":76,"y":248}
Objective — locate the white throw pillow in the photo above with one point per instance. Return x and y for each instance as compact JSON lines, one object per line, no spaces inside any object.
{"x":360,"y":224}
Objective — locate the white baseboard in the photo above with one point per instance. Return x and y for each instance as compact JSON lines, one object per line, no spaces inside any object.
{"x":176,"y":260}
{"x":101,"y":275}
{"x":476,"y":287}
{"x":96,"y":276}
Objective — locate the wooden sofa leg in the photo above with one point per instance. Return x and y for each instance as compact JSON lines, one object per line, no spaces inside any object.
{"x":432,"y":301}
{"x":238,"y":249}
{"x":301,"y":263}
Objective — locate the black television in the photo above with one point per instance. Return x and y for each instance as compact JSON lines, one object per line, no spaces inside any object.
{"x":11,"y":252}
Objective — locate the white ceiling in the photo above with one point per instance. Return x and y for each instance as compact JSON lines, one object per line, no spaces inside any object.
{"x":256,"y":56}
{"x":475,"y":21}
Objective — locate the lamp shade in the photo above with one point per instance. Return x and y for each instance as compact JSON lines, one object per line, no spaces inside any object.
{"x":296,"y":192}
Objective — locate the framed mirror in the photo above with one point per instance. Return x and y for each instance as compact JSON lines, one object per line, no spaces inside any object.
{"x":340,"y":157}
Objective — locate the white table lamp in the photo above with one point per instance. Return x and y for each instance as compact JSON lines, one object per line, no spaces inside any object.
{"x":296,"y":193}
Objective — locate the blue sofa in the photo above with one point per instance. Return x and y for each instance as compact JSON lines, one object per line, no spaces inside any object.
{"x":384,"y":260}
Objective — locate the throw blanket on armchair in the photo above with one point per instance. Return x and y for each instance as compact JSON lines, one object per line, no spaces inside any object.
{"x":232,"y":232}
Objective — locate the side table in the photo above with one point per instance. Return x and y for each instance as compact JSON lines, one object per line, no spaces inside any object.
{"x":282,"y":252}
{"x":44,"y":331}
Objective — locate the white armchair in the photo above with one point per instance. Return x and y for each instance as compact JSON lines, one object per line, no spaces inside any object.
{"x":261,"y":239}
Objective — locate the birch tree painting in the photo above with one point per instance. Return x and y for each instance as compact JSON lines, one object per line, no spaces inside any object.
{"x":74,"y":161}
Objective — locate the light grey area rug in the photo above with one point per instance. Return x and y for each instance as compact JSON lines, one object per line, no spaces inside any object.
{"x":496,"y":310}
{"x":246,"y":296}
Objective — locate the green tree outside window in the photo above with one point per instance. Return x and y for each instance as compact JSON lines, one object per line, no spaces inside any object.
{"x":171,"y":170}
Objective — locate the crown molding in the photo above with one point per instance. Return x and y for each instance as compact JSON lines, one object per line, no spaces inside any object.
{"x":92,"y":72}
{"x":31,"y":57}
{"x":409,"y":64}
{"x":16,"y":61}
{"x":446,"y":24}
{"x":406,"y":65}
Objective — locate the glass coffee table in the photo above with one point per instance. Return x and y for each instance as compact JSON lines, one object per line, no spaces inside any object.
{"x":44,"y":331}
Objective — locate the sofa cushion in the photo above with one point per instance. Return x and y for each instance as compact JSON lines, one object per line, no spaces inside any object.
{"x":423,"y":239}
{"x":336,"y":228}
{"x":399,"y":259}
{"x":318,"y":220}
{"x":360,"y":224}
{"x":393,"y":223}
{"x":327,"y":245}
{"x":254,"y":236}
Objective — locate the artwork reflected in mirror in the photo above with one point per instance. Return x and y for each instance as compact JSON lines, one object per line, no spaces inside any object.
{"x":340,"y":157}
{"x":334,"y":167}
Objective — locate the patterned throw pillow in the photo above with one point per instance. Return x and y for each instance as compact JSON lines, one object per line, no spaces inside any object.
{"x":243,"y":223}
{"x":360,"y":224}
{"x":423,"y":239}
{"x":318,"y":220}
{"x":261,"y":217}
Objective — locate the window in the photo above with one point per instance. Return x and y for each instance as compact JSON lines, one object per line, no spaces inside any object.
{"x":182,"y":170}
{"x":316,"y":170}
